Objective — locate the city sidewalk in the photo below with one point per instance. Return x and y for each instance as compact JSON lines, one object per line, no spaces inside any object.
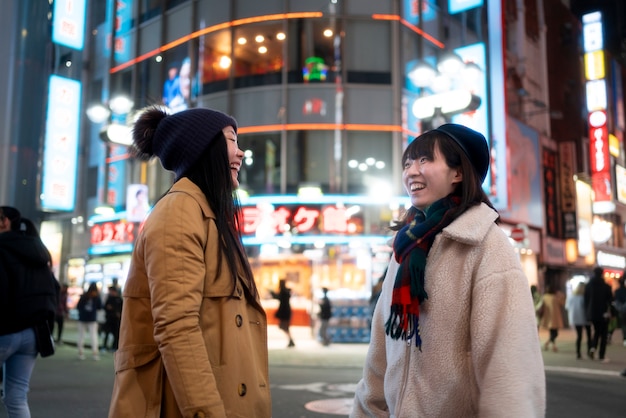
{"x":308,"y":351}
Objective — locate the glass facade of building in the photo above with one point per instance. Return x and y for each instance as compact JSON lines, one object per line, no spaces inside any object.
{"x":321,"y":94}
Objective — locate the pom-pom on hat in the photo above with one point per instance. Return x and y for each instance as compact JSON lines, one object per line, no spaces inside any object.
{"x":473,"y":144}
{"x":180,"y":139}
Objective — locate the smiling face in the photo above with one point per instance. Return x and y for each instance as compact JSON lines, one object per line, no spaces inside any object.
{"x":429,"y":178}
{"x":235,"y":155}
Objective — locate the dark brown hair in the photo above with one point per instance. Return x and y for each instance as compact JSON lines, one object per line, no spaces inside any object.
{"x":469,"y":190}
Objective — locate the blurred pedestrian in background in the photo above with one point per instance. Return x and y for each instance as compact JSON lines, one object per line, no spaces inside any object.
{"x":283,"y":313}
{"x":326,"y":312}
{"x":575,"y":306}
{"x":88,"y":306}
{"x":552,"y":303}
{"x":113,"y":317}
{"x":193,"y":338}
{"x":28,"y":300}
{"x":598,"y":298}
{"x":61,"y":313}
{"x":620,"y":305}
{"x":537,"y":296}
{"x":454,"y":331}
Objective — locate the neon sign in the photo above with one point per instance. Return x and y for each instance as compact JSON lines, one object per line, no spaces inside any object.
{"x":265,"y":220}
{"x":596,"y":95}
{"x":114,"y":232}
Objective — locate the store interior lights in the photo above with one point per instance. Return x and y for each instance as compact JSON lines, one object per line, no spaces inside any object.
{"x":367,"y":164}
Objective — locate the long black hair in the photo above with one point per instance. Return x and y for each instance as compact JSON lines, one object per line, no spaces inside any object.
{"x":212,"y":174}
{"x":469,"y":190}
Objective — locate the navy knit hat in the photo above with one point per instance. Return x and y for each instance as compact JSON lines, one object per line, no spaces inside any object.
{"x":473,"y":144}
{"x":180,"y":139}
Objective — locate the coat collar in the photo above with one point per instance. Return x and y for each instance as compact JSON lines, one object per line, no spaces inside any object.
{"x":472,"y":226}
{"x":184,"y":185}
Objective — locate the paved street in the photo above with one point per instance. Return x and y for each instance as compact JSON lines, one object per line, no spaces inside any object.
{"x":315,"y":381}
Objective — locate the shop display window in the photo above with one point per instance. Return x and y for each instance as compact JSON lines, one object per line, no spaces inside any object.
{"x":215,"y":61}
{"x":309,"y":159}
{"x":312,"y":55}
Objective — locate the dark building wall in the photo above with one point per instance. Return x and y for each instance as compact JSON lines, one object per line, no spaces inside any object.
{"x":565,"y":72}
{"x":25,"y":74}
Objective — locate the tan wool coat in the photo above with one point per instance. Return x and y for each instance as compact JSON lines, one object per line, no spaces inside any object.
{"x":192,"y":344}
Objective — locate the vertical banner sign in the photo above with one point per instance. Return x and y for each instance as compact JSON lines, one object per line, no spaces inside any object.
{"x":116,"y":176}
{"x":68,"y":23}
{"x":123,"y":24}
{"x":567,"y":162}
{"x":596,"y":96}
{"x":499,"y":193}
{"x":599,"y":154}
{"x":549,"y":190}
{"x":60,"y":155}
{"x":585,"y":218}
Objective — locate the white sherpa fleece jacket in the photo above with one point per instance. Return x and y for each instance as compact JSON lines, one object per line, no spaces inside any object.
{"x":481,"y":355}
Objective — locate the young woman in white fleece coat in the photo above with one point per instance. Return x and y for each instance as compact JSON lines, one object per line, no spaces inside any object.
{"x":454,"y":331}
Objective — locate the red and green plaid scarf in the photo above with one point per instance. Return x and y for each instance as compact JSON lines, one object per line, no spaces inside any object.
{"x":411,"y":247}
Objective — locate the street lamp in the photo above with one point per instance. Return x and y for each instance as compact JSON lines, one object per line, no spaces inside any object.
{"x":446,"y":90}
{"x":116,"y":130}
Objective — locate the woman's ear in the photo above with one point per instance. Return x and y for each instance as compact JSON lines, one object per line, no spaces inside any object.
{"x":458,"y":176}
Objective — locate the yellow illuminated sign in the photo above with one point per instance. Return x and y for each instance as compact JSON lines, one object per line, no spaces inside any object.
{"x":594,"y":65}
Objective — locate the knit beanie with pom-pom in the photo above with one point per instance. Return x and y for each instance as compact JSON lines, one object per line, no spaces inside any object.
{"x":180,"y":139}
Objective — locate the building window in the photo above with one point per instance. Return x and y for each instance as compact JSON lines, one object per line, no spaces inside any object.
{"x":368,"y":160}
{"x":258,"y":54}
{"x":260,"y":172}
{"x":309,"y":159}
{"x":215,"y":61}
{"x":368,"y":56}
{"x":311,"y":53}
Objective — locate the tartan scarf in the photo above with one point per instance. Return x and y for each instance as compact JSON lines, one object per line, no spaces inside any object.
{"x":411,"y":247}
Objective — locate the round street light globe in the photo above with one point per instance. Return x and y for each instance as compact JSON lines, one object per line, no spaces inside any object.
{"x":450,"y":63}
{"x":98,"y":113}
{"x":121,"y":105}
{"x":422,"y":75}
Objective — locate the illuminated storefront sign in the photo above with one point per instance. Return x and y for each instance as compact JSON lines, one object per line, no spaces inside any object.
{"x":549,"y":191}
{"x":599,"y":155}
{"x":593,"y":43}
{"x":456,"y":6}
{"x":599,"y":143}
{"x":68,"y":24}
{"x":585,"y":218}
{"x":115,"y":236}
{"x":267,"y":221}
{"x":567,"y":162}
{"x":611,"y":260}
{"x":60,"y":156}
{"x":123,"y":25}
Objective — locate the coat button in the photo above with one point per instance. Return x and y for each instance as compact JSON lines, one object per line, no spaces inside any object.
{"x":242,"y":389}
{"x":239,"y":320}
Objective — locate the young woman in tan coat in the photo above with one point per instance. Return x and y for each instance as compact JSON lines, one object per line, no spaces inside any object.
{"x":193,"y":337}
